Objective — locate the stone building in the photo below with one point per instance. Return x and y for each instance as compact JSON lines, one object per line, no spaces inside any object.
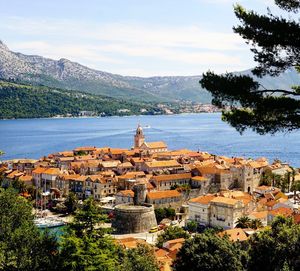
{"x":166,"y":182}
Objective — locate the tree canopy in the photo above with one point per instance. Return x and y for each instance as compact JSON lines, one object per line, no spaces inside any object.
{"x":208,"y":251}
{"x":247,"y":104}
{"x":22,"y":245}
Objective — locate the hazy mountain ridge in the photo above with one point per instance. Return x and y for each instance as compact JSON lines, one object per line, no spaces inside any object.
{"x":64,"y":73}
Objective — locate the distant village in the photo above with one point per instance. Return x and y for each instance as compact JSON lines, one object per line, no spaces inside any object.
{"x":211,"y":190}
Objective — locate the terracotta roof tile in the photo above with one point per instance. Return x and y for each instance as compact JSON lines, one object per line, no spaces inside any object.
{"x":203,"y":199}
{"x":170,"y":177}
{"x":163,"y":194}
{"x":236,"y":234}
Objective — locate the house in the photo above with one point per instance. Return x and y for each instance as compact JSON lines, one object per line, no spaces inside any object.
{"x":37,"y":176}
{"x":247,"y":174}
{"x":160,"y":199}
{"x":109,"y":165}
{"x":216,"y":211}
{"x":130,"y":242}
{"x":76,"y":185}
{"x":225,"y":212}
{"x":154,"y":147}
{"x":166,"y":182}
{"x":49,"y":177}
{"x":125,"y":167}
{"x":26,"y":165}
{"x":99,"y":186}
{"x":124,"y":196}
{"x":154,"y":165}
{"x":27,"y":180}
{"x":282,"y":211}
{"x":261,"y":215}
{"x":199,"y":182}
{"x":84,"y":150}
{"x":62,"y":182}
{"x":129,"y":179}
{"x":199,"y":209}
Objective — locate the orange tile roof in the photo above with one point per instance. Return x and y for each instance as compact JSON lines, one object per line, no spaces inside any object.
{"x":156,"y":145}
{"x":26,"y":178}
{"x":39,"y":170}
{"x":284,"y":211}
{"x":52,"y":171}
{"x":271,"y":203}
{"x":170,"y":177}
{"x":14,"y":174}
{"x":126,"y":193}
{"x":223,"y":200}
{"x":163,"y":194}
{"x":203,"y":199}
{"x":66,"y":153}
{"x":132,"y":175}
{"x":109,"y":164}
{"x":116,"y":151}
{"x":130,"y":242}
{"x":264,"y":187}
{"x":125,"y":165}
{"x":236,"y":234}
{"x":199,"y":179}
{"x":166,"y":163}
{"x":86,"y":148}
{"x":259,"y":215}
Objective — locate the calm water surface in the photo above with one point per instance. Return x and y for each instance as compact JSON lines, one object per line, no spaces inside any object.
{"x":33,"y":138}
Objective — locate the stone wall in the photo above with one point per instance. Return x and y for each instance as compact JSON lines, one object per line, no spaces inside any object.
{"x":134,"y":219}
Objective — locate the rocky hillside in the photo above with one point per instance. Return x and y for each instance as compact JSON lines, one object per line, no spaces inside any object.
{"x":66,"y":74}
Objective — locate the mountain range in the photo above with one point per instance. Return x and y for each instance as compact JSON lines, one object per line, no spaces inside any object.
{"x":66,"y":74}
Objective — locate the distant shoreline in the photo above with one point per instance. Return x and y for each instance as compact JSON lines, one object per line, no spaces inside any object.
{"x":121,"y":116}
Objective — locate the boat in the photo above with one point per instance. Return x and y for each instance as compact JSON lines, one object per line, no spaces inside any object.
{"x":48,"y":222}
{"x":147,"y":126}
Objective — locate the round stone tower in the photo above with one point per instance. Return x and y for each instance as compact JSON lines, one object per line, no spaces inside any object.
{"x":133,"y":219}
{"x":139,"y":137}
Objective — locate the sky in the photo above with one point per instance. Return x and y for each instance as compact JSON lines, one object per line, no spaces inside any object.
{"x":131,"y":37}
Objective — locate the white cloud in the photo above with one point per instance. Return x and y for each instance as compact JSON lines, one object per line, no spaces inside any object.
{"x":192,"y":47}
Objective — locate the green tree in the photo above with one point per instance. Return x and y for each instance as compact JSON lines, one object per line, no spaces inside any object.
{"x":276,"y":248}
{"x":22,"y":245}
{"x":171,"y":233}
{"x":71,"y":202}
{"x":161,"y":213}
{"x":275,"y":44}
{"x":141,"y":258}
{"x":85,"y":246}
{"x":243,"y":222}
{"x":192,"y":226}
{"x":256,"y":224}
{"x":88,"y":219}
{"x":209,"y":252}
{"x":89,"y":253}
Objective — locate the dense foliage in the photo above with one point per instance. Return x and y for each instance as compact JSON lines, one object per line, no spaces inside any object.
{"x":274,"y":248}
{"x":22,"y":245}
{"x":275,"y":44}
{"x":25,"y":101}
{"x":161,"y":213}
{"x":141,"y":258}
{"x":170,"y":233}
{"x":208,"y":251}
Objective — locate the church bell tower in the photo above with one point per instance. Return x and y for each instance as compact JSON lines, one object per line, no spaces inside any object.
{"x":139,"y":137}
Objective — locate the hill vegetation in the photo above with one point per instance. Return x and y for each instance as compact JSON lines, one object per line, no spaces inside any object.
{"x":18,"y":100}
{"x":66,"y":74}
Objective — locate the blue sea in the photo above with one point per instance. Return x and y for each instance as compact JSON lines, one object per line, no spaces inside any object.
{"x":34,"y":138}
